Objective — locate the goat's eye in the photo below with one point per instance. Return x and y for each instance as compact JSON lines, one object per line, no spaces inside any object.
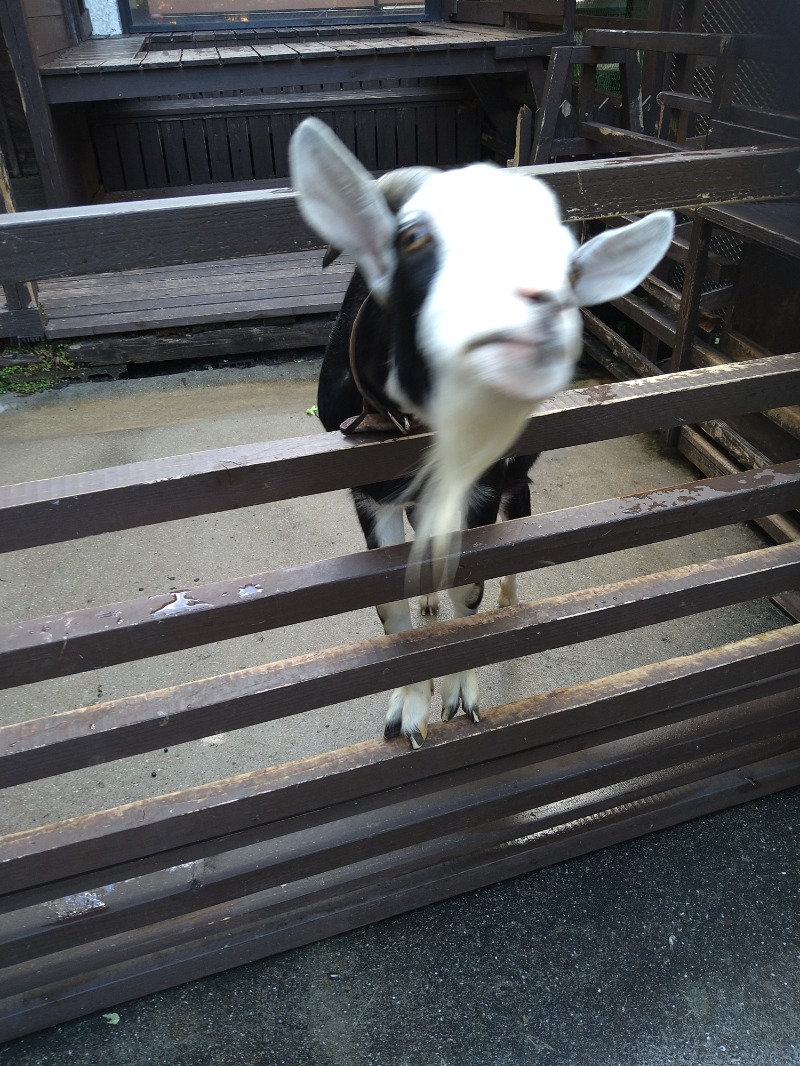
{"x":414,"y":237}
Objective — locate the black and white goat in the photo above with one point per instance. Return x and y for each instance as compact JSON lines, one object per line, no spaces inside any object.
{"x":462,"y":315}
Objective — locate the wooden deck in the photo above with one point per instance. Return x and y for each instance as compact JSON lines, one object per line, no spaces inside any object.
{"x":126,"y":67}
{"x":232,"y":290}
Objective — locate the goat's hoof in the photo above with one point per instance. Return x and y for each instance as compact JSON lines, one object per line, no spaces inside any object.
{"x":460,"y":691}
{"x":429,"y":605}
{"x":408,"y":713}
{"x":416,"y":739}
{"x":392,"y":730}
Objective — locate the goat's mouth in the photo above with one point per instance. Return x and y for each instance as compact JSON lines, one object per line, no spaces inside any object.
{"x":519,"y":366}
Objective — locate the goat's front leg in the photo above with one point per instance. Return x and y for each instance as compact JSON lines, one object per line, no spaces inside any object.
{"x":461,"y":690}
{"x":409,"y":705}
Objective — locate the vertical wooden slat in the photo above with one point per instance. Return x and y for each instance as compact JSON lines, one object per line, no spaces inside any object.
{"x":387,"y":138}
{"x":238,"y":133}
{"x":130,"y":150}
{"x":281,"y":126}
{"x":152,"y":155}
{"x":556,"y":92}
{"x":219,"y":155}
{"x":407,"y":153}
{"x":196,"y":151}
{"x":366,"y":144}
{"x":426,"y":136}
{"x":261,"y":146}
{"x":446,"y":154}
{"x":174,"y":152}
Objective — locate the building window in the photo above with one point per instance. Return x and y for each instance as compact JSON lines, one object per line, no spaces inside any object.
{"x":138,"y":15}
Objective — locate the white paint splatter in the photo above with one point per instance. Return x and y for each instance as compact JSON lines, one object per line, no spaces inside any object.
{"x":182,"y":603}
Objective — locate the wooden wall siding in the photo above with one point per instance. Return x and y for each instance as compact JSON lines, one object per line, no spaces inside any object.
{"x":170,"y":144}
{"x":49,"y":28}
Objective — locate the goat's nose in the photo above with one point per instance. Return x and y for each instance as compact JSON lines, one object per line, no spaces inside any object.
{"x":540,"y":297}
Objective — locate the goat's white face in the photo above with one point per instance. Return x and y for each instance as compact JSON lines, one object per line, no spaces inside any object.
{"x":500,"y":305}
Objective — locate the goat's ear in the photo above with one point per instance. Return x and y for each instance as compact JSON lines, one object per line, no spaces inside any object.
{"x":616,"y":261}
{"x":339,"y":200}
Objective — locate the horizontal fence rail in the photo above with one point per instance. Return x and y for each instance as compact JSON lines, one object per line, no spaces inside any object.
{"x":192,"y":229}
{"x":159,"y":490}
{"x":95,"y":637}
{"x":124,"y":727}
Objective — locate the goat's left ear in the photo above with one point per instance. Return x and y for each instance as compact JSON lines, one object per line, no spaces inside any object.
{"x":339,"y":200}
{"x":615,"y":262}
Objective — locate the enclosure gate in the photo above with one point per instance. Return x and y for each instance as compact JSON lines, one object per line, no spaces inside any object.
{"x":112,"y":905}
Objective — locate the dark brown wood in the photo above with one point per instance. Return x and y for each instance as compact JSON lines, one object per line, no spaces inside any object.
{"x":265,"y":924}
{"x":774,"y":225}
{"x":105,"y":732}
{"x":498,"y":788}
{"x":83,"y":640}
{"x":200,"y":228}
{"x":783,"y":123}
{"x":123,"y":69}
{"x":164,"y":831}
{"x":554,"y":97}
{"x":620,"y":347}
{"x":227,"y":478}
{"x":55,"y":180}
{"x":622,"y":140}
{"x":753,"y":46}
{"x":699,"y":245}
{"x":233,"y":342}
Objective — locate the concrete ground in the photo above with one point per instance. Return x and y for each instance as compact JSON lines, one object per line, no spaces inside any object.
{"x":675,"y":950}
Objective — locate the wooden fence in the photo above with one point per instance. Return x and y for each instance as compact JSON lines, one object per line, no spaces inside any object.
{"x":111,"y":905}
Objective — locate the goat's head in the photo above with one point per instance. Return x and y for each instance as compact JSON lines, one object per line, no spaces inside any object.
{"x":480,"y":262}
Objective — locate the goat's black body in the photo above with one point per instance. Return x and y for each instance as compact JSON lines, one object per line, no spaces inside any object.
{"x":502,"y":489}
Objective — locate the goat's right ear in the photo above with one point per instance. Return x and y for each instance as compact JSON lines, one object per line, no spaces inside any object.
{"x":615,"y":262}
{"x":338,"y":198}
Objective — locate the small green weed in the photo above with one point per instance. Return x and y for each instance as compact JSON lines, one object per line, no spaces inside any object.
{"x":41,"y":367}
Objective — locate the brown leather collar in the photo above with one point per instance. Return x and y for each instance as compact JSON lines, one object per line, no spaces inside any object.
{"x":376,"y":415}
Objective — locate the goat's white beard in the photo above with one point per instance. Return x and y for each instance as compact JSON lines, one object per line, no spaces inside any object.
{"x":473,"y":427}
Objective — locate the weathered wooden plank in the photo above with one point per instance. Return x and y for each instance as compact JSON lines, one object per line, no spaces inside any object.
{"x":83,"y":640}
{"x":150,"y":834}
{"x":312,"y":102}
{"x":25,"y":322}
{"x":620,"y":140}
{"x":753,"y":46}
{"x":63,"y":508}
{"x":103,"y":732}
{"x":240,"y":340}
{"x":264,"y":924}
{"x":57,"y":243}
{"x":455,"y":801}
